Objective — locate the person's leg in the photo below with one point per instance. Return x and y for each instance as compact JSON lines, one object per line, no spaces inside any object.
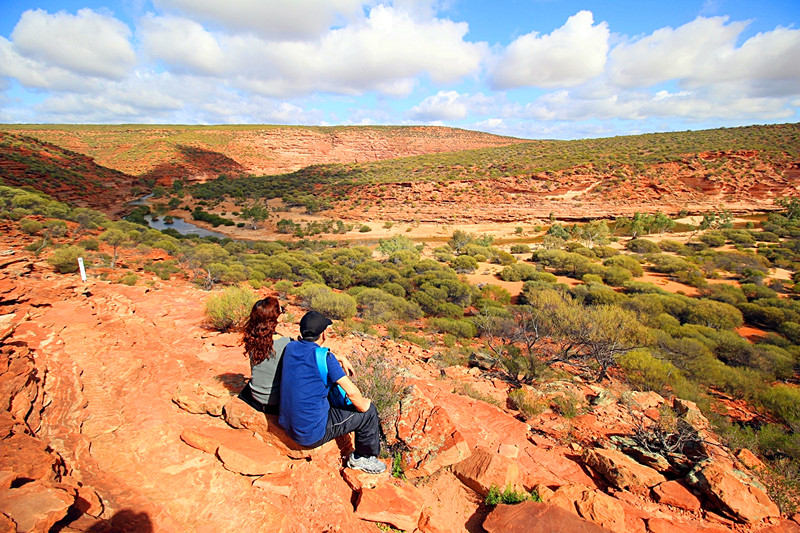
{"x":365,"y":426}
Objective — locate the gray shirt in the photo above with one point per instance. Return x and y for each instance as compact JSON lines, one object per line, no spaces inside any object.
{"x":266,"y":376}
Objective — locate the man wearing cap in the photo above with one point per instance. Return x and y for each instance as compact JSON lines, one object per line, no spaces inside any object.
{"x":305,"y":412}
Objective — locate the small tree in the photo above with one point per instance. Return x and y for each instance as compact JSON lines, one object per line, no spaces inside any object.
{"x":115,"y":238}
{"x":255,"y":213}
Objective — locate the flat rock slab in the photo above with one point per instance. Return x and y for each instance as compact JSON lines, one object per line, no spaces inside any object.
{"x":620,"y":470}
{"x":35,"y":506}
{"x":539,"y":517}
{"x":396,"y":503}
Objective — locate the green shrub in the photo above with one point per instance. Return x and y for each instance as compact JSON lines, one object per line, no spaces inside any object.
{"x":520,"y":272}
{"x":717,"y":315}
{"x":379,"y":306}
{"x":642,"y":246}
{"x":461,"y":328}
{"x":627,"y":262}
{"x":90,"y":243}
{"x":334,"y":305}
{"x":129,"y":279}
{"x":520,"y":249}
{"x":65,"y":260}
{"x":508,"y":496}
{"x":230,"y":308}
{"x":30,"y":226}
{"x":784,"y":402}
{"x":464,"y":264}
{"x":645,"y":372}
{"x":523,"y":402}
{"x":714,"y":239}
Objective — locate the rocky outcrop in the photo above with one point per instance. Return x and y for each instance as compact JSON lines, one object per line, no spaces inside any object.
{"x":539,"y":517}
{"x":622,"y":471}
{"x":428,"y":435}
{"x":484,"y":470}
{"x":734,"y":492}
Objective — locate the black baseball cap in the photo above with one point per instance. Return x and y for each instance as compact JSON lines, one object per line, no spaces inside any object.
{"x":313,"y":324}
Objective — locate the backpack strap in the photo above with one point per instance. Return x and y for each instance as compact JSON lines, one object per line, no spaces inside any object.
{"x":322,"y":364}
{"x":340,"y":395}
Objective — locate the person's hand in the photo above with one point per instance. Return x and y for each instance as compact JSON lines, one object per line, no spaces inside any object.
{"x":346,"y":365}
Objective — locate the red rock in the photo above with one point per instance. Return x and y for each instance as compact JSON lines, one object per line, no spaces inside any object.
{"x":795,"y":517}
{"x":430,"y":436}
{"x":427,"y":524}
{"x":7,"y":525}
{"x":484,"y":469}
{"x":398,"y":504}
{"x":251,"y":457}
{"x":28,"y":458}
{"x":208,"y":438}
{"x":742,"y":500}
{"x":620,"y":470}
{"x":526,"y":517}
{"x":359,"y":480}
{"x":7,"y":477}
{"x":782,"y":526}
{"x":676,"y":494}
{"x":645,"y":400}
{"x":88,"y":502}
{"x":279,"y":483}
{"x":35,"y":506}
{"x":202,"y":398}
{"x":662,"y":525}
{"x":587,"y":503}
{"x":240,"y":415}
{"x":749,"y":459}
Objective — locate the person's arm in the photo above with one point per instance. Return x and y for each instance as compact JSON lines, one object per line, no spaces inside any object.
{"x":346,"y":365}
{"x":358,"y":400}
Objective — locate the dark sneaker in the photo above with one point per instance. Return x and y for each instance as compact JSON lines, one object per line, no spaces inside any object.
{"x":370,"y":465}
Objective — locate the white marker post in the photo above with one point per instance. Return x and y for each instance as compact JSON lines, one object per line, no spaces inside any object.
{"x":83,"y":270}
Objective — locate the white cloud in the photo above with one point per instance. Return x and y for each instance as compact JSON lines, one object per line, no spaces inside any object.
{"x":293,"y":19}
{"x":386,"y":52}
{"x":670,"y":53}
{"x":182,"y":44}
{"x":450,"y":105}
{"x":87,"y":43}
{"x":569,"y":56}
{"x":721,"y":102}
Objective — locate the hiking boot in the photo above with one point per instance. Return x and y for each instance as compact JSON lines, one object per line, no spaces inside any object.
{"x":370,"y":465}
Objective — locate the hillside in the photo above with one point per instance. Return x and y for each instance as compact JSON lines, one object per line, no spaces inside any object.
{"x":199,"y":153}
{"x":68,"y":176}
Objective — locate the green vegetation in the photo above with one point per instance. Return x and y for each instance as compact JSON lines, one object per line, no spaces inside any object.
{"x":508,"y":495}
{"x":230,"y":308}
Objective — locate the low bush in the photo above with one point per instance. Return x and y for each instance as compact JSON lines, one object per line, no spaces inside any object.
{"x":30,"y":226}
{"x":65,"y":260}
{"x":230,"y":308}
{"x":461,"y":328}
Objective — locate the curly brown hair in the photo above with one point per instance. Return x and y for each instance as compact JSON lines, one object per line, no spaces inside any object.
{"x":259,"y":329}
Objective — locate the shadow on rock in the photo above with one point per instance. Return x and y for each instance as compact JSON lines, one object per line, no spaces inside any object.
{"x":124,"y":521}
{"x":234,"y":382}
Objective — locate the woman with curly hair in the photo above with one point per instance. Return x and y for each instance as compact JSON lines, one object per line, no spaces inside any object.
{"x":265,"y":350}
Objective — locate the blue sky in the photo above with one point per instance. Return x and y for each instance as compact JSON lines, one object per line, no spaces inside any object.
{"x":529,"y":68}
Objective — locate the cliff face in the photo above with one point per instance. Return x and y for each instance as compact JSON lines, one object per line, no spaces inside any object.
{"x":67,"y":176}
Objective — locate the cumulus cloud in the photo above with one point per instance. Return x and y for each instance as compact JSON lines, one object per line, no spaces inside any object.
{"x":295,"y":19}
{"x":722,"y":102}
{"x":569,"y":56}
{"x":704,"y":52}
{"x":87,"y":43}
{"x":182,"y":44}
{"x":386,"y":51}
{"x":450,"y":105}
